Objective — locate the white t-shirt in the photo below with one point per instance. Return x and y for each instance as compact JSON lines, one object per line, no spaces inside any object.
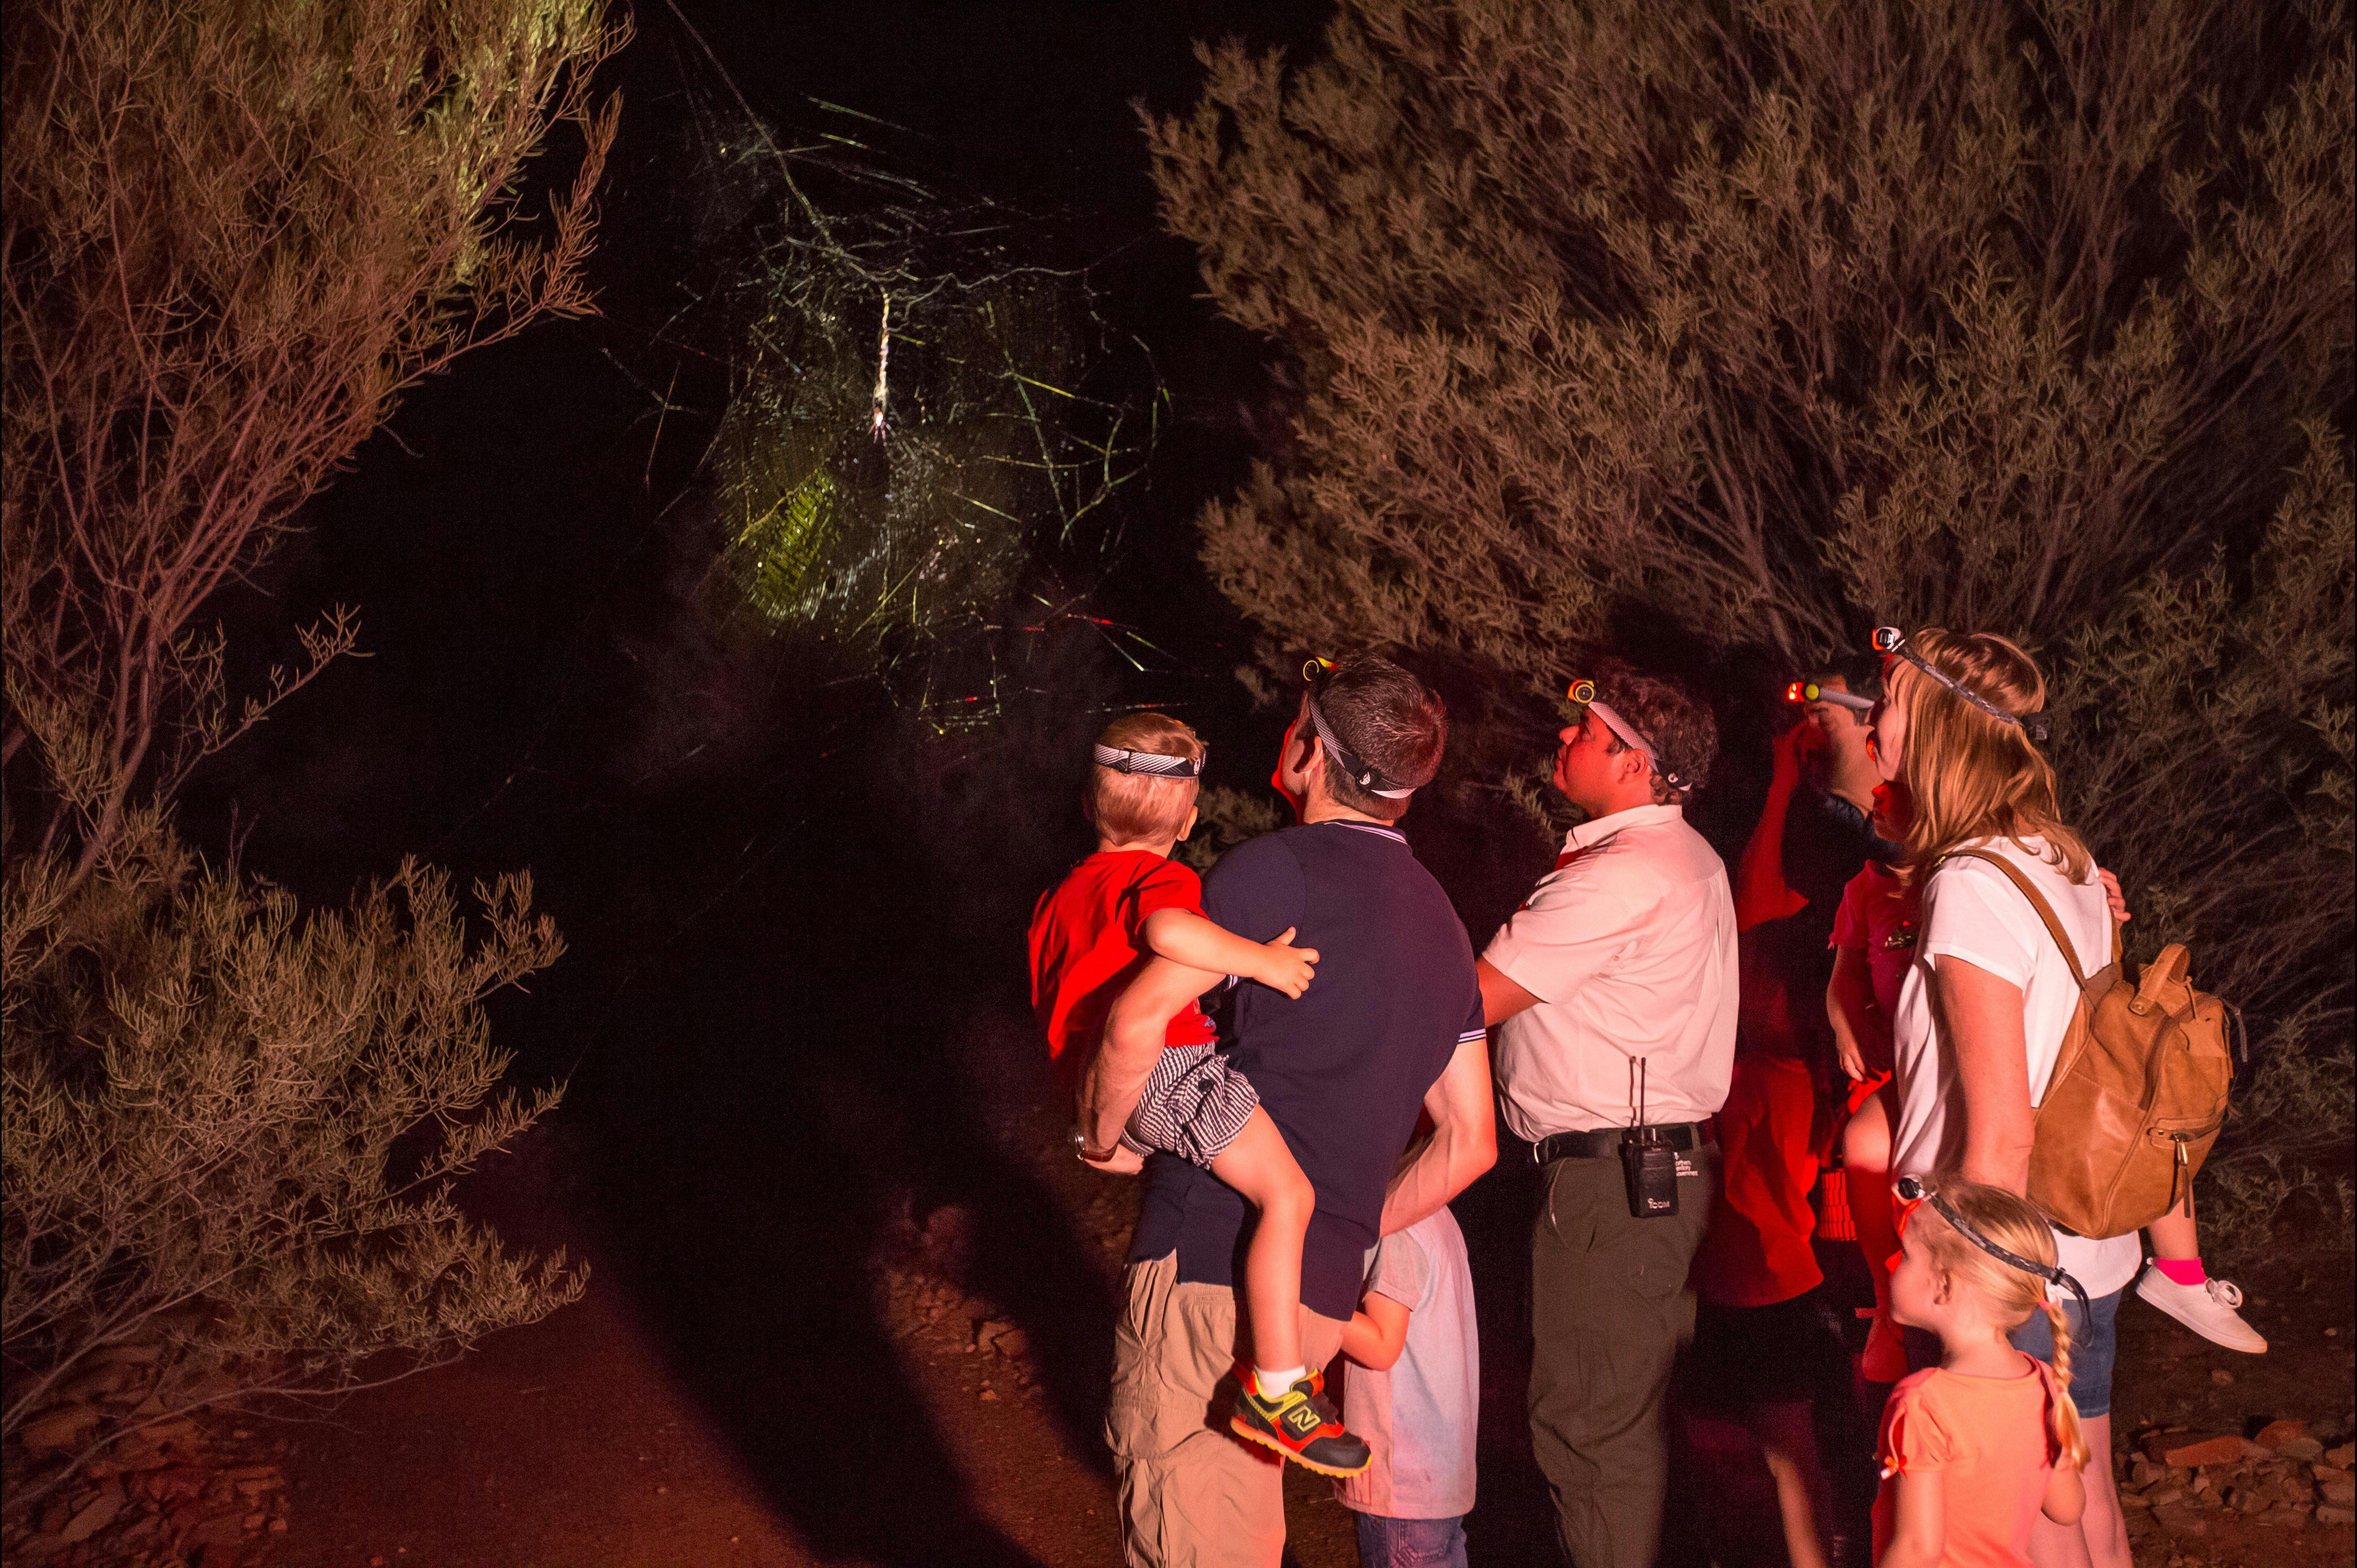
{"x":1973,"y":912}
{"x":1420,"y":1418}
{"x":1628,"y":944}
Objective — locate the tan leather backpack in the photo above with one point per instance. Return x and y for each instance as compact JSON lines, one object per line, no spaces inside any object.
{"x":2139,"y":1093}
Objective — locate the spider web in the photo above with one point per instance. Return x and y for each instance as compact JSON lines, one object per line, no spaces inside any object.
{"x":914,"y":455}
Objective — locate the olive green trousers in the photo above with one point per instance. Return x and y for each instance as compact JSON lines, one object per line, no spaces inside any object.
{"x":1609,"y":1309}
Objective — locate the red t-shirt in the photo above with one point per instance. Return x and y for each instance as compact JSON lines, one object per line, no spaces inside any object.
{"x":1756,"y":1251}
{"x":1088,"y":941}
{"x":1878,"y":916}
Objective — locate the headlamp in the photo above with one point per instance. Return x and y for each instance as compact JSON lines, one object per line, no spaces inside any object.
{"x":1365,"y":774}
{"x":1891,"y":642}
{"x":1810,"y":691}
{"x":1583,"y":693}
{"x":1913,"y":1190}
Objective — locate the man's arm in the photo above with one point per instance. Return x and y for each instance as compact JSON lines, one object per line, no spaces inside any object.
{"x":1501,"y":998}
{"x":1760,"y":892}
{"x":1982,"y":1015}
{"x":1464,"y":1140}
{"x":1133,"y":1044}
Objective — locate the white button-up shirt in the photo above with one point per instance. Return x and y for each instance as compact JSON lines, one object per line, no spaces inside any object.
{"x":1628,"y":944}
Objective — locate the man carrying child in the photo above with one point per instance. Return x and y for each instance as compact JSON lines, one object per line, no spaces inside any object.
{"x":1392,"y":1025}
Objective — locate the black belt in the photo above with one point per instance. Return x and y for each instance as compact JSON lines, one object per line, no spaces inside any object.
{"x":1604,"y":1142}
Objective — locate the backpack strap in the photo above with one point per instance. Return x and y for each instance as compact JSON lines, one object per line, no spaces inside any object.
{"x":2038,"y":902}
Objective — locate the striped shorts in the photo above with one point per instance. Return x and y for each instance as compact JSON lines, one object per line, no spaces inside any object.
{"x":1193,"y":1105}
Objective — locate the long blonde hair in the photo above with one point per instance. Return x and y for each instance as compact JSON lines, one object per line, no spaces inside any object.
{"x":1970,"y":775}
{"x":2015,"y":1224}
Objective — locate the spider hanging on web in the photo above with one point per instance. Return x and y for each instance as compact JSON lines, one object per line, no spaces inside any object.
{"x":876,"y":426}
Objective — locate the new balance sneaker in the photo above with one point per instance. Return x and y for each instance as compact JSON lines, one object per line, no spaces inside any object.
{"x":2207,"y":1308}
{"x":1299,"y":1424}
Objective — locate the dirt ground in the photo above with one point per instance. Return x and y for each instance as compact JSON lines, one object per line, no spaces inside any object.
{"x":572,"y":1442}
{"x":607,"y":1435}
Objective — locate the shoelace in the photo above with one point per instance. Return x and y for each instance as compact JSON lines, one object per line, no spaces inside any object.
{"x":2225,"y":1293}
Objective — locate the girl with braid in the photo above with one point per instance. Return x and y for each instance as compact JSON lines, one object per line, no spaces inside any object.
{"x":1976,"y":1449}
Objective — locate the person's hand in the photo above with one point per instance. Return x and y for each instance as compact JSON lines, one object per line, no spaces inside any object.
{"x":2113,"y":896}
{"x":1794,"y":748}
{"x":1122,"y":1161}
{"x":1285,"y":967}
{"x":1853,"y":1061}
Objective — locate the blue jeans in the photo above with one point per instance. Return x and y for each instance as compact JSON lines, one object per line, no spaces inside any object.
{"x":2092,"y":1351}
{"x":1410,"y":1543}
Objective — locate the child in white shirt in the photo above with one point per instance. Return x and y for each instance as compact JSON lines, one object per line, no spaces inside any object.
{"x":1412,"y":1389}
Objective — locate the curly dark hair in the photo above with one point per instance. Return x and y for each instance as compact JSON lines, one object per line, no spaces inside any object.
{"x":1674,"y":721}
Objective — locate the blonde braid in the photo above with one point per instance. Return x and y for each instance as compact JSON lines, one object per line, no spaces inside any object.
{"x":2013,"y":1223}
{"x":2067,"y":1436}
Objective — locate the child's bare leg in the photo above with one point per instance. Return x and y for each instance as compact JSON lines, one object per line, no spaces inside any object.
{"x":1260,"y":1167}
{"x":1865,"y":1155}
{"x":2178,"y":1284}
{"x":2174,"y":1234}
{"x":1788,"y":1441}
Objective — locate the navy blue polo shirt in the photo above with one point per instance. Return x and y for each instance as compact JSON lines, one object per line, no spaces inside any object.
{"x":1342,"y":1070}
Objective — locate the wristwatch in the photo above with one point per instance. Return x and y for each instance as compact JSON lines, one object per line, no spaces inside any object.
{"x":1087,"y":1155}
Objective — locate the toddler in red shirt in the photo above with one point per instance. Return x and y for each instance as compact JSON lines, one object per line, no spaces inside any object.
{"x":1091,"y":934}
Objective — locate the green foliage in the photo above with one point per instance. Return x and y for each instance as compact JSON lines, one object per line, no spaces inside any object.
{"x":234,"y":1126}
{"x":1778,"y":320}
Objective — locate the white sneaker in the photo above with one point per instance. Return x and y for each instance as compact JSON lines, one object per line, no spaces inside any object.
{"x":2207,"y":1308}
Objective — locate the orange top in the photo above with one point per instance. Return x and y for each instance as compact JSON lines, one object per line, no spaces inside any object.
{"x":1991,"y":1441}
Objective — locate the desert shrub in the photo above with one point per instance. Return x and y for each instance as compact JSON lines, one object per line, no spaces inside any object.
{"x":1759,"y":325}
{"x":232,"y":1127}
{"x":234,"y":233}
{"x":231,"y":235}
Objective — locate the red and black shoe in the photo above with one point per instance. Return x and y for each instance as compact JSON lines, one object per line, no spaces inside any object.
{"x":1300,"y":1424}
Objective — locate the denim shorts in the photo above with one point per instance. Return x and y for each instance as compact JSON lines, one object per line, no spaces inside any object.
{"x":1411,"y":1542}
{"x":2092,"y":1351}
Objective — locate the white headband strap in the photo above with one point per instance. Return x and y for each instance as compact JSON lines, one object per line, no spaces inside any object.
{"x":1628,"y":733}
{"x":1151,"y":763}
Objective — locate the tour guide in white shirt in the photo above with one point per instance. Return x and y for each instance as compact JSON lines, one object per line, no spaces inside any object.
{"x":1622,"y":962}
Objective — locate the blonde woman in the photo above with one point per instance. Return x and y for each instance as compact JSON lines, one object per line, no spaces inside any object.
{"x":1984,"y":1006}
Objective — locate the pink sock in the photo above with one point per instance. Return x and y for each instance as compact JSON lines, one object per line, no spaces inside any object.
{"x":2180,"y":1270}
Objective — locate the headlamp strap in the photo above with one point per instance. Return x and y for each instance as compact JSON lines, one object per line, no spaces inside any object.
{"x":1151,"y":763}
{"x":1628,"y":733}
{"x":1361,"y":773}
{"x":1890,"y":641}
{"x":2056,"y":1275}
